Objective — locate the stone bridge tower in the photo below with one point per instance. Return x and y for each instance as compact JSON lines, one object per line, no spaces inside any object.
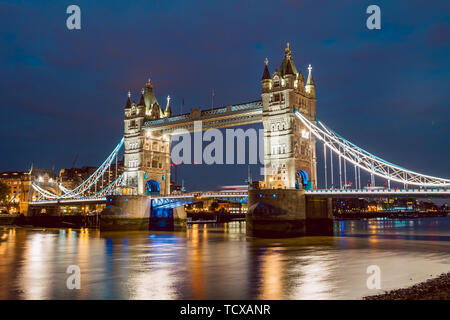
{"x":288,"y":145}
{"x":147,"y":153}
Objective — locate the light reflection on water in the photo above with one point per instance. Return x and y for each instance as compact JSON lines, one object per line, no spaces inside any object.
{"x":220,"y":262}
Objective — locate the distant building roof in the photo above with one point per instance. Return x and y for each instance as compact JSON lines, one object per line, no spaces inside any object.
{"x":11,"y":174}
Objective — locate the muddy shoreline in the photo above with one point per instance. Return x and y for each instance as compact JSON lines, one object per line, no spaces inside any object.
{"x":432,"y":289}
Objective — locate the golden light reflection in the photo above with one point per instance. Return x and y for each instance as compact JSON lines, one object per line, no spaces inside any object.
{"x":314,"y":282}
{"x":83,"y":258}
{"x":196,"y":264}
{"x":38,"y":270}
{"x":272,"y":271}
{"x":157,"y":278}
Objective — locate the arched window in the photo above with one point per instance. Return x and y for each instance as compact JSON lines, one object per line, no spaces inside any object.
{"x":276,"y":81}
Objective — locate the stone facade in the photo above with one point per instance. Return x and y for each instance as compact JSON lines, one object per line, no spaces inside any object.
{"x":288,"y":145}
{"x":280,"y":213}
{"x":147,"y":154}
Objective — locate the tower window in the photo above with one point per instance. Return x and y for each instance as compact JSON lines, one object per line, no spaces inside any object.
{"x":276,"y":82}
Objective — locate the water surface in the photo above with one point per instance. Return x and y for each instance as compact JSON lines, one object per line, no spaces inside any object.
{"x":221,"y":262}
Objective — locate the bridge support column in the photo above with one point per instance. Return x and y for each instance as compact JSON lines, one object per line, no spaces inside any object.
{"x":126,"y":213}
{"x":168,"y":219}
{"x":281,"y":213}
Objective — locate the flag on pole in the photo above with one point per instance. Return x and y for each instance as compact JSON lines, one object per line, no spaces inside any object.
{"x":182,"y":104}
{"x":212,"y":100}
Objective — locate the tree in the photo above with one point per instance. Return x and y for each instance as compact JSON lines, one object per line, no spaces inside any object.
{"x":5,"y":190}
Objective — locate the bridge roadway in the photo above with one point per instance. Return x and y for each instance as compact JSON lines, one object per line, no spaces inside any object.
{"x":380,"y":193}
{"x":162,"y":200}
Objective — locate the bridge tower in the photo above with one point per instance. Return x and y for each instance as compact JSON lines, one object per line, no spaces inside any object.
{"x":288,"y":146}
{"x":147,"y":155}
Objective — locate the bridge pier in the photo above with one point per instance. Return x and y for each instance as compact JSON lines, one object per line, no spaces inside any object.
{"x":168,"y":219}
{"x":281,"y":213}
{"x":126,"y":213}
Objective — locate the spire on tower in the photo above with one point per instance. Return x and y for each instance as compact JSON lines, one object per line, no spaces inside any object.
{"x":310,"y":80}
{"x":310,"y":86}
{"x":266,"y":73}
{"x":142,"y":102}
{"x":168,"y":111}
{"x":288,"y":65}
{"x":148,"y":84}
{"x":287,"y":51}
{"x":128,"y":104}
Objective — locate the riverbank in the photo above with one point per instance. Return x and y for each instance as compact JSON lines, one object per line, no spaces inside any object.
{"x":62,"y":221}
{"x":389,"y":215}
{"x":433,"y":289}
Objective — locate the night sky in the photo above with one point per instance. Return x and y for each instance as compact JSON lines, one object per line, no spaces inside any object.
{"x":63,"y":91}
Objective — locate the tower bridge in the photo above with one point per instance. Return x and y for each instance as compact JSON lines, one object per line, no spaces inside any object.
{"x":288,"y":197}
{"x":288,"y":146}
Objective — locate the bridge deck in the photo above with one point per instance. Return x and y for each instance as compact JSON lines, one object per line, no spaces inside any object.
{"x":368,"y":193}
{"x":320,"y":193}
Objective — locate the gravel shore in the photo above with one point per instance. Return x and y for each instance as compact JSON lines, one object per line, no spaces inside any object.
{"x":433,"y":289}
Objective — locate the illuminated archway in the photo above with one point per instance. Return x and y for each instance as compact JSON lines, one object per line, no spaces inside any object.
{"x":152,"y":187}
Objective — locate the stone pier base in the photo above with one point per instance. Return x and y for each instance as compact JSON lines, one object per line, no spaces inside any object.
{"x":168,"y":219}
{"x":130,"y":213}
{"x":281,"y":213}
{"x":126,"y":213}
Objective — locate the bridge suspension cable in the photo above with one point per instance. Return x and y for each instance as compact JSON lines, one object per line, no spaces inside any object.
{"x":366,"y":161}
{"x":81,"y":190}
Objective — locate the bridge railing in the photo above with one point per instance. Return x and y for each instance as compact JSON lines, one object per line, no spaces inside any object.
{"x":417,"y":190}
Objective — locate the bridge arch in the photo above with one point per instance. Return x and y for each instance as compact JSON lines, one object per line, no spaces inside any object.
{"x":152,"y":187}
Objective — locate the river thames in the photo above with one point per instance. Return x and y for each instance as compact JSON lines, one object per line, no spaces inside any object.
{"x":221,"y":262}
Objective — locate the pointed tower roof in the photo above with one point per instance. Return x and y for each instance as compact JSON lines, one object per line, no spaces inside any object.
{"x":128,"y":104}
{"x":289,"y":69}
{"x":148,"y":95}
{"x":266,"y":73}
{"x":310,"y":80}
{"x":287,"y":65}
{"x":168,"y":111}
{"x":141,"y":101}
{"x":301,"y":77}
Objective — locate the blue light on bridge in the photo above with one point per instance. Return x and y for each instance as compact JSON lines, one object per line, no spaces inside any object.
{"x":260,"y":195}
{"x":126,"y":200}
{"x":274,"y":195}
